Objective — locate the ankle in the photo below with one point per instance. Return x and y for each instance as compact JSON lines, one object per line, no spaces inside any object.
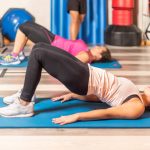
{"x":14,"y":54}
{"x":24,"y":103}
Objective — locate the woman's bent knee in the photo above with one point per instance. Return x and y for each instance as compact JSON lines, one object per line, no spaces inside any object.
{"x":25,"y":26}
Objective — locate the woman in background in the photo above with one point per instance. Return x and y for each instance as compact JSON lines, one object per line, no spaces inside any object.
{"x":77,"y":11}
{"x":37,"y":33}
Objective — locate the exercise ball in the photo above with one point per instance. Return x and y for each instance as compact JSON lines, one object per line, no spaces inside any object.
{"x":12,"y":19}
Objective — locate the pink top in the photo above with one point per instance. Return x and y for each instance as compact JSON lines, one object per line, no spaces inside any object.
{"x":109,"y":88}
{"x":72,"y":47}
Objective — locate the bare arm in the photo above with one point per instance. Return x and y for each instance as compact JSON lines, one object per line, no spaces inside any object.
{"x":129,"y":110}
{"x":70,"y":96}
{"x":94,"y":54}
{"x":83,"y":56}
{"x":86,"y":97}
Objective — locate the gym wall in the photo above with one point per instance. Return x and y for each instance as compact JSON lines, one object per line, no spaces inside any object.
{"x":92,"y":30}
{"x":40,"y":9}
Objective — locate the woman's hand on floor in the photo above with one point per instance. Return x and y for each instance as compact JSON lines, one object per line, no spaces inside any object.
{"x":66,"y":119}
{"x":63,"y":98}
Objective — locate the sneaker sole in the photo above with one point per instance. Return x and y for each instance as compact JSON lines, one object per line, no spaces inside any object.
{"x":16,"y":63}
{"x":18,"y":116}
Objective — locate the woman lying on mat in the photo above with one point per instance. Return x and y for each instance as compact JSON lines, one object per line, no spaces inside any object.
{"x":84,"y":81}
{"x":37,"y":33}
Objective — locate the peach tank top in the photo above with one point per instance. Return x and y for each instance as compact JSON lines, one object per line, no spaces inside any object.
{"x":109,"y":88}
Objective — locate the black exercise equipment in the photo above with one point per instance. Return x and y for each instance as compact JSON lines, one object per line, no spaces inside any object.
{"x":123,"y":32}
{"x":123,"y":35}
{"x":147,"y":32}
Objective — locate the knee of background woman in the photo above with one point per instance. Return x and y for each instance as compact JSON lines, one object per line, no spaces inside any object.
{"x":82,"y":18}
{"x":24,"y":26}
{"x":75,"y":18}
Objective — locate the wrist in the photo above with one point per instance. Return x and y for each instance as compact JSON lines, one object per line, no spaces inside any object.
{"x":77,"y":116}
{"x":72,"y":95}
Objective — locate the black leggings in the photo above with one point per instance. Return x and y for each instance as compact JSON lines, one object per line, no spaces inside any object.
{"x":36,"y":33}
{"x":61,"y":65}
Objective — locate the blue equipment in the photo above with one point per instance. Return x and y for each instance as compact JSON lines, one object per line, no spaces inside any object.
{"x":93,"y":27}
{"x":11,"y":21}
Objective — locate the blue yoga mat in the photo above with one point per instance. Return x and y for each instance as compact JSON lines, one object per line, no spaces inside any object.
{"x":110,"y":64}
{"x":45,"y":110}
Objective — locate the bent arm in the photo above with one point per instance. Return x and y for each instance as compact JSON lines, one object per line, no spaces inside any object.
{"x":87,"y":97}
{"x":83,"y":56}
{"x":70,"y":96}
{"x":94,"y":54}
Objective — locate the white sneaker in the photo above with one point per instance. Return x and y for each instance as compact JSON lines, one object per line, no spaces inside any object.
{"x":17,"y":110}
{"x":10,"y":99}
{"x":22,"y":56}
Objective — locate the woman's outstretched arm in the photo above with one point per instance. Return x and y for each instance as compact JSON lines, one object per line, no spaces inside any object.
{"x":132,"y":109}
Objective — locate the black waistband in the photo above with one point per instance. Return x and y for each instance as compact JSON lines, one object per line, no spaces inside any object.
{"x":131,"y":96}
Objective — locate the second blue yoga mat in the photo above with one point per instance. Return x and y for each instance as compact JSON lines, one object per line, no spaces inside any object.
{"x":45,"y":110}
{"x":111,"y":64}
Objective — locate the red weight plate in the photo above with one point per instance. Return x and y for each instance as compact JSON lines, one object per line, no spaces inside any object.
{"x":122,"y":17}
{"x":123,"y":4}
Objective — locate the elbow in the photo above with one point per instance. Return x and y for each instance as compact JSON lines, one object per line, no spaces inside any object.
{"x":130,"y":113}
{"x":135,"y":114}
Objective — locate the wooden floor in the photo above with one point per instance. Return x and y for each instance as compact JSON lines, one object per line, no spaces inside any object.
{"x":135,"y":66}
{"x":74,"y":143}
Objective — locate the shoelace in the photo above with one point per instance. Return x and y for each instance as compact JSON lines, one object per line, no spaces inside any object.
{"x":12,"y":105}
{"x":8,"y":58}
